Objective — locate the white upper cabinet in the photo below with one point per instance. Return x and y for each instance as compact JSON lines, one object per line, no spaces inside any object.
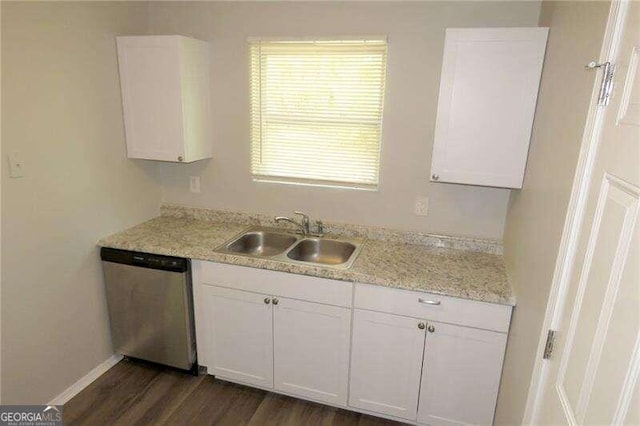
{"x":165,"y":97}
{"x":488,"y":91}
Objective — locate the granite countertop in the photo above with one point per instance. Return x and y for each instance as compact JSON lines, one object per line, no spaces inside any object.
{"x":452,"y":272}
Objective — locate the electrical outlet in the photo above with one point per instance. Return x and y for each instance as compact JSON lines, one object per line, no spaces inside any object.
{"x":194,"y":184}
{"x":421,"y":206}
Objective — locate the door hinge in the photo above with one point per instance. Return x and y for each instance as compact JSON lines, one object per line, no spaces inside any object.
{"x":606,"y":86}
{"x":548,"y":347}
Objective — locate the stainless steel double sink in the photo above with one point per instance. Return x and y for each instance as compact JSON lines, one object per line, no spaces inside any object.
{"x":276,"y":244}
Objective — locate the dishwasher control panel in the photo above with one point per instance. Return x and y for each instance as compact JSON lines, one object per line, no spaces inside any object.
{"x":145,"y":260}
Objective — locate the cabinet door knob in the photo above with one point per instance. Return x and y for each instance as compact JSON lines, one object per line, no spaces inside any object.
{"x":267,"y":300}
{"x":180,"y":158}
{"x":421,"y":325}
{"x":275,"y":301}
{"x":431,"y":328}
{"x":435,"y":177}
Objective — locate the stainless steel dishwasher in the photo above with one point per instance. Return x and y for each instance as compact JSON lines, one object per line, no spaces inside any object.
{"x":150,"y":302}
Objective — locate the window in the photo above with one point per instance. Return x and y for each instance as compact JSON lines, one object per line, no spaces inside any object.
{"x":316,"y":111}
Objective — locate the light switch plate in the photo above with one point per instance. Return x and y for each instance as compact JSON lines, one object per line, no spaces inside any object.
{"x":16,"y":166}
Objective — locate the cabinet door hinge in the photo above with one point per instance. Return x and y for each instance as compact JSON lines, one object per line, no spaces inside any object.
{"x":548,"y":347}
{"x":606,"y":86}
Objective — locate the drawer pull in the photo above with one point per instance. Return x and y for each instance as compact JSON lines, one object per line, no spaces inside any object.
{"x":428,"y":302}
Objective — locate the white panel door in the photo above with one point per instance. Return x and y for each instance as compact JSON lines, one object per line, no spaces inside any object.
{"x":488,"y":91}
{"x":460,"y":375}
{"x":240,"y":333}
{"x":311,"y":349}
{"x":593,"y":372}
{"x":152,"y":96}
{"x":386,"y":360}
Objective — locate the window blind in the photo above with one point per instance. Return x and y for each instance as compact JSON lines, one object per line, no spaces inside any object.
{"x":316,"y":111}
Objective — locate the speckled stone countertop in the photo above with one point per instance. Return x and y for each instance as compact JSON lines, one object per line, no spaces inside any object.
{"x":475,"y":275}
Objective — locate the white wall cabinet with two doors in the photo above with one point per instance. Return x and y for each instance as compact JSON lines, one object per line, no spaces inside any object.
{"x":400,"y":358}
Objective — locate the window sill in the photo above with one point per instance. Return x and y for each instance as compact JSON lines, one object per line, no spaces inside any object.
{"x":316,"y":183}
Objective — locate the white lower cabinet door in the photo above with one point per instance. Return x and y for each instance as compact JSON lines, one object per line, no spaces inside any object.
{"x":386,"y":360}
{"x":311,"y":350}
{"x":240,"y":333}
{"x":460,"y":375}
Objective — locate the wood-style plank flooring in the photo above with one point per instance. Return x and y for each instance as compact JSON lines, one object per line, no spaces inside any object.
{"x":142,"y":394}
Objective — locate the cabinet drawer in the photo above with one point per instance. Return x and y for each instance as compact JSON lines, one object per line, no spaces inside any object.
{"x":301,"y":287}
{"x":450,"y":310}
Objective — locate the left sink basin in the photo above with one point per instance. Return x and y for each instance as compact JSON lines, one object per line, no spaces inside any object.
{"x":261,"y":243}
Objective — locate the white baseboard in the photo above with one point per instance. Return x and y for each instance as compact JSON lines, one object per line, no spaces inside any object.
{"x":85,"y":381}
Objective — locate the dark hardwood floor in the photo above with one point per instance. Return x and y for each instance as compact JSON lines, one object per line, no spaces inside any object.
{"x":138,"y":393}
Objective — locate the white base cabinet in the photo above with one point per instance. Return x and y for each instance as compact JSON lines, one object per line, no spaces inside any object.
{"x":412,"y":361}
{"x":311,"y":350}
{"x":271,"y":341}
{"x":241,"y":335}
{"x":460,"y":375}
{"x":432,"y":373}
{"x":410,"y":356}
{"x":385,"y":364}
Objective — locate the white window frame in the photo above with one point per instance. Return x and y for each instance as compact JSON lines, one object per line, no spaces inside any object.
{"x":315,"y":182}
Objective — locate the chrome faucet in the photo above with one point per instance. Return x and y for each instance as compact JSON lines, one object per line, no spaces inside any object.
{"x":305,"y":222}
{"x":304,"y":225}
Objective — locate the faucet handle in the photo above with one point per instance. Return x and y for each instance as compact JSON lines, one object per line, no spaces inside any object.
{"x":303,"y":214}
{"x":305,"y":222}
{"x":305,"y":217}
{"x":319,"y":228}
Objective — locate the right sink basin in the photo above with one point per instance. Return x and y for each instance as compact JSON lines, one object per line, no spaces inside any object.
{"x":322,"y":251}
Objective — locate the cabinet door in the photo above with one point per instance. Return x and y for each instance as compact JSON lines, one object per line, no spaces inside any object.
{"x":460,"y":375}
{"x":488,"y":91}
{"x":240,"y":335}
{"x":151,"y":96}
{"x":311,"y":350}
{"x":386,"y":360}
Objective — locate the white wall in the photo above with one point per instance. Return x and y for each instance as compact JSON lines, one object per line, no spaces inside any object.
{"x":536,"y":214}
{"x":61,"y":110}
{"x":415,"y":33}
